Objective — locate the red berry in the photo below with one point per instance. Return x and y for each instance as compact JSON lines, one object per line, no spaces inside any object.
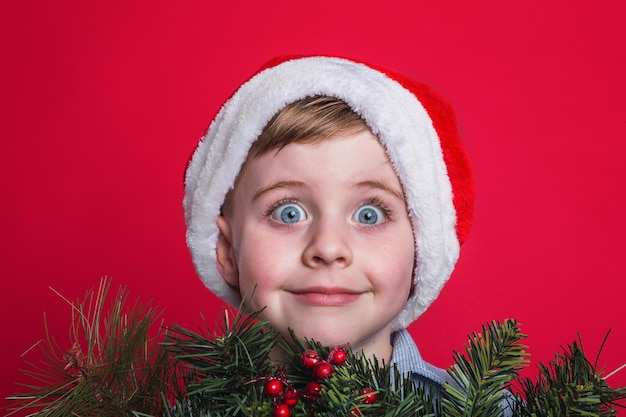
{"x":323,"y":370}
{"x":289,"y":398}
{"x":281,"y":410}
{"x":273,"y":387}
{"x":313,"y":389}
{"x":337,"y":356}
{"x":355,"y":412}
{"x":309,"y":358}
{"x":370,"y":395}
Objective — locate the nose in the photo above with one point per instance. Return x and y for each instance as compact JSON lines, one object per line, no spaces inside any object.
{"x":328,"y":245}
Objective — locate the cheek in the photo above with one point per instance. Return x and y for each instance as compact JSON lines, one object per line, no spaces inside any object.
{"x":262,"y":265}
{"x":396,"y":264}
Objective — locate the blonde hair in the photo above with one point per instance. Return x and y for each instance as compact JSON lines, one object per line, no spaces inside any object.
{"x":310,"y":120}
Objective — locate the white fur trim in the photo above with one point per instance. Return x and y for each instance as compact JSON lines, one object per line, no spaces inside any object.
{"x":393,"y":113}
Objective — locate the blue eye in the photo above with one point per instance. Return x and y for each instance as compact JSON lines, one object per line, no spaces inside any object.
{"x":289,"y":213}
{"x":369,"y":215}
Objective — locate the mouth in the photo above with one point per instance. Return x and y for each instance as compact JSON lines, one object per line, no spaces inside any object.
{"x":326,"y":296}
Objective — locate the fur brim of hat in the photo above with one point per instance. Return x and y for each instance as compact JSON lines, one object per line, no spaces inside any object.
{"x":395,"y":115}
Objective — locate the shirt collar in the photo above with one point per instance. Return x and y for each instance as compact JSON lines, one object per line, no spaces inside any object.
{"x":406,"y":357}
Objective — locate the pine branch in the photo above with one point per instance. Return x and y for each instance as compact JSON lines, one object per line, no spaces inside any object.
{"x":493,"y":359}
{"x":569,"y":385}
{"x":219,"y":367}
{"x":115,"y":366}
{"x":341,"y":395}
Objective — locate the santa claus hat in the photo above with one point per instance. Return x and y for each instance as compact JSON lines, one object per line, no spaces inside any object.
{"x":416,"y":127}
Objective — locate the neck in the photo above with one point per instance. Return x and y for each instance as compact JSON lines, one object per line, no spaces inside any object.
{"x":381,"y":352}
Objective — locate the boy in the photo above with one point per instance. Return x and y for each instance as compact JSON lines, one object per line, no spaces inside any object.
{"x":337,"y":193}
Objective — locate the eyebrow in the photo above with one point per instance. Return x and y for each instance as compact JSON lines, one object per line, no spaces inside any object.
{"x":381,"y":186}
{"x":299,"y":184}
{"x":277,"y":185}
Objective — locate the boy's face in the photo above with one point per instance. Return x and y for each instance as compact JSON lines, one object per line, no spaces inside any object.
{"x":320,"y":234}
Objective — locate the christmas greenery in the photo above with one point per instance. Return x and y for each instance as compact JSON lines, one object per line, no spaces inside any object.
{"x":115,"y":367}
{"x":124,"y":363}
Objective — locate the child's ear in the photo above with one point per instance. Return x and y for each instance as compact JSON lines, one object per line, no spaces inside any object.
{"x":226,"y":262}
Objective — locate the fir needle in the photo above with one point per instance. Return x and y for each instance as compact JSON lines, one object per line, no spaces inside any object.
{"x":615,"y":371}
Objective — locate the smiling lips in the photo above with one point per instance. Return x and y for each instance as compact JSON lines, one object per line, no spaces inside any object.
{"x":324,"y":296}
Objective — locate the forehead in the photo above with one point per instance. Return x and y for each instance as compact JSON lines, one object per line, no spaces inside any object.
{"x":341,"y":159}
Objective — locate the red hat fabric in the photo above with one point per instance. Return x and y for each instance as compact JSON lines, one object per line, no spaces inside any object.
{"x":416,"y":127}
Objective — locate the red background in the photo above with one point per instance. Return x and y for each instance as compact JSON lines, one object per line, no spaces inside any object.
{"x":103,"y":102}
